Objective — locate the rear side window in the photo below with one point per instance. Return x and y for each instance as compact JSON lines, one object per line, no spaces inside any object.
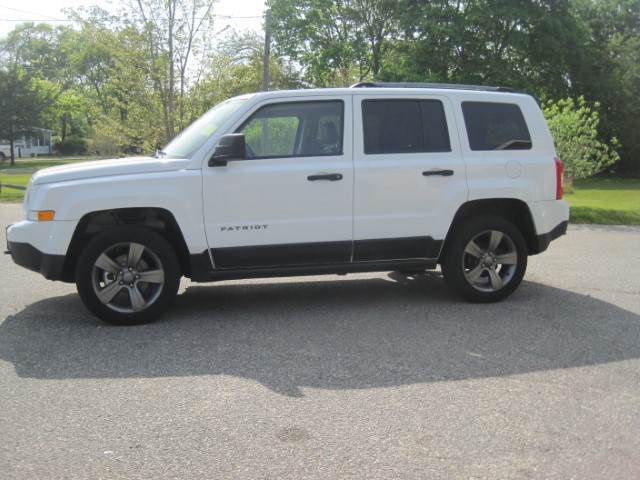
{"x":495,"y":126}
{"x":404,"y":126}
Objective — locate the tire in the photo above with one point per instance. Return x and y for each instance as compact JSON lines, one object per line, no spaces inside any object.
{"x":485,"y":259}
{"x":128,"y":276}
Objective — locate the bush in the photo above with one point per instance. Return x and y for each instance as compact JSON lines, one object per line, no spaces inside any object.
{"x":574,"y":126}
{"x":71,"y":146}
{"x":104,"y":145}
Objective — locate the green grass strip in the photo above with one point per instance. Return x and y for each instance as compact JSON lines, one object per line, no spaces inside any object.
{"x":606,"y":201}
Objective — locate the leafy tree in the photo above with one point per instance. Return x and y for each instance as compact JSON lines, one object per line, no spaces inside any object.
{"x":574,"y":126}
{"x":519,"y":43}
{"x":148,"y":58}
{"x":21,"y":103}
{"x":114,"y":73}
{"x":38,"y":49}
{"x":44,"y":53}
{"x":236,"y":68}
{"x":337,"y":42}
{"x":607,"y":69}
{"x":173,"y":32}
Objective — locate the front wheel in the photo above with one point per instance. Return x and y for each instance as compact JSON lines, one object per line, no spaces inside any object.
{"x":485,"y":259}
{"x":128,"y":276}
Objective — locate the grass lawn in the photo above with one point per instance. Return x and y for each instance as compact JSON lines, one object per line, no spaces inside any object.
{"x":605,"y":200}
{"x":20,"y":173}
{"x":600,"y":199}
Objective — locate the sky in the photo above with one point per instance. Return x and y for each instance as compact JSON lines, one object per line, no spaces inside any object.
{"x":13,"y":13}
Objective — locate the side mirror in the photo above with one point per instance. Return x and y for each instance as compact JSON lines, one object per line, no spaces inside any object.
{"x":230,"y":147}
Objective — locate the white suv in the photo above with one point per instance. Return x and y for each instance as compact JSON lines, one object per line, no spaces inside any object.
{"x":374,"y":178}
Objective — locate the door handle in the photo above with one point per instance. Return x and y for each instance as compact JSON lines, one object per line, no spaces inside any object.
{"x":332,"y":177}
{"x":443,"y":173}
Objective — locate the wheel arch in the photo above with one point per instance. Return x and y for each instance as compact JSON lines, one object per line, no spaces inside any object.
{"x":513,"y":210}
{"x":159,"y":220}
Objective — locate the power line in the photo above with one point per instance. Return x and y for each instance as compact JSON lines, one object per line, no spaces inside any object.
{"x":51,"y":19}
{"x":31,"y":13}
{"x":33,"y":20}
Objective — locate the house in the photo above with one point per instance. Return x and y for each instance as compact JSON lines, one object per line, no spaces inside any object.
{"x":38,"y":142}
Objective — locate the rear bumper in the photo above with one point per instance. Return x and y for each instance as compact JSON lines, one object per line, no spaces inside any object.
{"x":545,"y":239}
{"x":550,"y":222}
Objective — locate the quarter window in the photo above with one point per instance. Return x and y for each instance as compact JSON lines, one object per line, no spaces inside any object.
{"x":495,"y":126}
{"x":404,"y":126}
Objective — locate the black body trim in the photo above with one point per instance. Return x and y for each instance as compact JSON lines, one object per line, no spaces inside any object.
{"x":200,"y":267}
{"x":335,"y":269}
{"x":260,"y":256}
{"x":396,"y":249}
{"x":27,"y":256}
{"x":265,"y":261}
{"x":545,"y":239}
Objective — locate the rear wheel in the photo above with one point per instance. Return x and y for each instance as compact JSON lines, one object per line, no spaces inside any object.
{"x":128,"y":276}
{"x":485,"y":260}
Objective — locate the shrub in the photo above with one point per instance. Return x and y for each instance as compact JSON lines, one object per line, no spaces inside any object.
{"x":574,"y":126}
{"x":71,"y":146}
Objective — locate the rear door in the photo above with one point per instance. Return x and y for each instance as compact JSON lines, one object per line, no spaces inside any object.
{"x":409,"y":176}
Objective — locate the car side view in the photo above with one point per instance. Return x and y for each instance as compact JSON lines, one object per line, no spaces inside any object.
{"x":377,"y":177}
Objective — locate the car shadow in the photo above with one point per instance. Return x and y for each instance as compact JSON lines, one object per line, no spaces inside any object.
{"x":328,"y":334}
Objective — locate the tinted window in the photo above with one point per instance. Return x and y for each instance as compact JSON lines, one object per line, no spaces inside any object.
{"x":295,"y":129}
{"x":495,"y":126}
{"x":404,"y":126}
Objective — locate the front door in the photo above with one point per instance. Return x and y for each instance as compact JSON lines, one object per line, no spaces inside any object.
{"x":290,"y":202}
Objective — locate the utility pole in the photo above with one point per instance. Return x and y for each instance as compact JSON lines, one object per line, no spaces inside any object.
{"x":267,"y":52}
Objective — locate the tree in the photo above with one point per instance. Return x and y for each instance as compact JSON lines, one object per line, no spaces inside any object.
{"x":607,"y":68}
{"x":236,"y":68}
{"x":44,"y":52}
{"x":152,"y":49}
{"x":38,"y":49}
{"x":21,"y":103}
{"x":519,"y":43}
{"x":337,"y":42}
{"x":173,"y":32}
{"x":574,"y":126}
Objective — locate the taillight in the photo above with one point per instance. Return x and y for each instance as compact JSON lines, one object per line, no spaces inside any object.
{"x":558,"y":178}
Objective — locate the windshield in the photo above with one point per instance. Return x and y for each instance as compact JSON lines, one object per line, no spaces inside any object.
{"x":185,"y":144}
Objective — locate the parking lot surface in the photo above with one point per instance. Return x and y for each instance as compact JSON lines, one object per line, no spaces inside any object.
{"x":373,"y":376}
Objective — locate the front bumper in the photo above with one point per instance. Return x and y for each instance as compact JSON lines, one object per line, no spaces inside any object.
{"x":28,"y":256}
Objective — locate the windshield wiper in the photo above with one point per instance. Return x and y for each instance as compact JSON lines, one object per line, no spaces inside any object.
{"x":159,"y":154}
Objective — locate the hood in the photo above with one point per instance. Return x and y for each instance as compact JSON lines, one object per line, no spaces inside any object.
{"x":106,"y":168}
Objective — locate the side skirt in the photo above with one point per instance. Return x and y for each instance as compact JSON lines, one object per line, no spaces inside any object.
{"x":335,"y":269}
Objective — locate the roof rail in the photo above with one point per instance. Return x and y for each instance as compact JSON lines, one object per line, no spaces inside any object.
{"x":448,"y":86}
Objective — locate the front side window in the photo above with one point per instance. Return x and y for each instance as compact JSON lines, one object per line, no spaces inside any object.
{"x":404,"y":126}
{"x":296,"y":129}
{"x":495,"y":126}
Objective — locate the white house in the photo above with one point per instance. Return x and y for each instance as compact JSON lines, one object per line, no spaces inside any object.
{"x":38,"y":142}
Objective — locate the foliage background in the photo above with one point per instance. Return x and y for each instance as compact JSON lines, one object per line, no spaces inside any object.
{"x":117,"y":82}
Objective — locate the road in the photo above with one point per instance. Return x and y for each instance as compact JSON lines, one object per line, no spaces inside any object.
{"x":373,"y":376}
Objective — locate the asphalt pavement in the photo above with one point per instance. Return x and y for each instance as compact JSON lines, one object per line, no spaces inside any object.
{"x":372,"y":376}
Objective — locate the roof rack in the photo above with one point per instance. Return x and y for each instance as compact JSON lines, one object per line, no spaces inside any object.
{"x":448,"y":86}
